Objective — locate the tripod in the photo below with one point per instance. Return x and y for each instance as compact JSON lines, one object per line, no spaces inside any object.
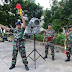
{"x":35,"y":53}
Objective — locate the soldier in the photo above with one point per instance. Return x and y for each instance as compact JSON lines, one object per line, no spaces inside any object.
{"x":68,"y":43}
{"x":18,"y":44}
{"x":49,"y":33}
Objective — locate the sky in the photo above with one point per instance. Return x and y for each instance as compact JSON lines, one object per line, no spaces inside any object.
{"x":44,"y":3}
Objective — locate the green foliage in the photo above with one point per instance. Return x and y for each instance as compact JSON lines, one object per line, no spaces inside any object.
{"x":7,"y":1}
{"x":26,"y":35}
{"x":9,"y":14}
{"x":11,"y":36}
{"x":59,"y":40}
{"x":56,"y":25}
{"x":58,"y":15}
{"x":4,"y":34}
{"x":0,"y":35}
{"x":47,"y":16}
{"x":38,"y":37}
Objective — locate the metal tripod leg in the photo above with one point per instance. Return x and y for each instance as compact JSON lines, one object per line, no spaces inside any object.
{"x":35,"y":53}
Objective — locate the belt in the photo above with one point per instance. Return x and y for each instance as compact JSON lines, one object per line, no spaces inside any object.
{"x":18,"y":40}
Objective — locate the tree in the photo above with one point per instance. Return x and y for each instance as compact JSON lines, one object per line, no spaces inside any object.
{"x":47,"y":16}
{"x":9,"y":14}
{"x":29,"y":8}
{"x":5,"y":17}
{"x":59,"y":15}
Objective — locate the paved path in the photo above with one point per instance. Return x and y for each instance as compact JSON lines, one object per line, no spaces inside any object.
{"x":59,"y":65}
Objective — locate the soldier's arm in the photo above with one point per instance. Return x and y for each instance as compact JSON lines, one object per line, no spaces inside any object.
{"x":23,"y":20}
{"x":4,"y":27}
{"x":44,"y":36}
{"x":65,"y":42}
{"x":54,"y":35}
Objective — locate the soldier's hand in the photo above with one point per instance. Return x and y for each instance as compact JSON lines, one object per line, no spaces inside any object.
{"x":53,"y":38}
{"x":43,"y":42}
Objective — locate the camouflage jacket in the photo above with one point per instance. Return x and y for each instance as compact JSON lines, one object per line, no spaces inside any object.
{"x":49,"y":33}
{"x":69,"y":39}
{"x":17,"y":33}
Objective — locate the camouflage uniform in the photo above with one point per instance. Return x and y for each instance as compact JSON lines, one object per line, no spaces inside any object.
{"x":47,"y":34}
{"x":18,"y":45}
{"x":69,"y":44}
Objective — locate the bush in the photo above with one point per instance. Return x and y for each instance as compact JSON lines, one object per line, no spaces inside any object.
{"x":0,"y":35}
{"x":26,"y":36}
{"x":38,"y":36}
{"x":11,"y":36}
{"x":59,"y":39}
{"x":4,"y":34}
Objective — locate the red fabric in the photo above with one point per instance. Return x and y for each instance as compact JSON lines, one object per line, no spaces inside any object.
{"x":18,"y":6}
{"x":65,"y":51}
{"x":50,"y":38}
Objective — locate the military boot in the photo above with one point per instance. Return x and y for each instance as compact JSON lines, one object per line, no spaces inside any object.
{"x":26,"y":67}
{"x":45,"y":57}
{"x":68,"y":59}
{"x":53,"y":58}
{"x":12,"y":67}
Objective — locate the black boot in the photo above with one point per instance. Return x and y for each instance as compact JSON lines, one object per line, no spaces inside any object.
{"x":26,"y":67}
{"x":12,"y":67}
{"x":68,"y":59}
{"x":45,"y":57}
{"x":52,"y":57}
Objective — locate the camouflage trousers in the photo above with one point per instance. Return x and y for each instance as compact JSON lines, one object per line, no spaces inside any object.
{"x":19,"y":46}
{"x":69,"y":50}
{"x":47,"y":47}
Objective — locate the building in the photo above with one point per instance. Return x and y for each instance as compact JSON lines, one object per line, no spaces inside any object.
{"x":41,"y":23}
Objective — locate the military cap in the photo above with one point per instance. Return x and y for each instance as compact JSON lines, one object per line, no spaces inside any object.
{"x":70,"y":26}
{"x":50,"y":24}
{"x":18,"y":22}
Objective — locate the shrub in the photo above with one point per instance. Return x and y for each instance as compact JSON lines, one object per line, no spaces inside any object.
{"x":59,"y":39}
{"x":38,"y":37}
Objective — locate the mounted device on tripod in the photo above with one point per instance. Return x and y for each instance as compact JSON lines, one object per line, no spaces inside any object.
{"x":33,"y":28}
